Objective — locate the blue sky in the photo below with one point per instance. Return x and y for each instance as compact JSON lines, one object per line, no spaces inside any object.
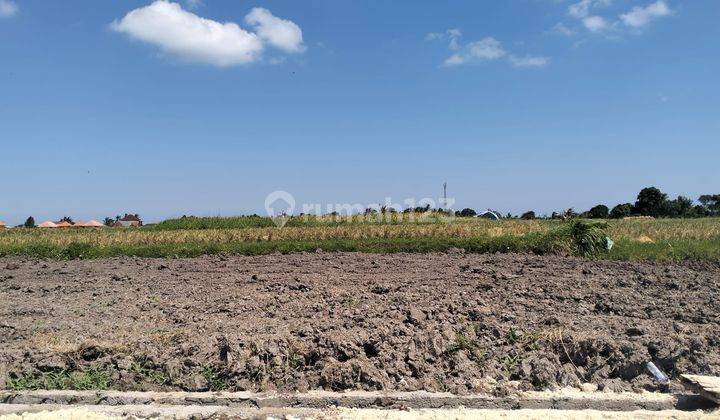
{"x":164,"y":109}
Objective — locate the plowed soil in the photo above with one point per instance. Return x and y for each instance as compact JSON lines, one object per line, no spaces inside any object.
{"x":445,"y":322}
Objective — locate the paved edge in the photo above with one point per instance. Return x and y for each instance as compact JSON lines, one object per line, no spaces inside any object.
{"x":96,"y":412}
{"x":558,"y":400}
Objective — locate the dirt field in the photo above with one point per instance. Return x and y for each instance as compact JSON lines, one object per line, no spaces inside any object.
{"x":448,"y":322}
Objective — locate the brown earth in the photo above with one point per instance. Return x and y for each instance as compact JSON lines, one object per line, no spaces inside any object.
{"x":445,"y":322}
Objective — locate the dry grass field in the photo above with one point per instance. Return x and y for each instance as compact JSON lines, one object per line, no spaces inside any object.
{"x":635,"y":238}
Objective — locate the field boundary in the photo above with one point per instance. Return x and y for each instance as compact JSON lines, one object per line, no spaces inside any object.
{"x":557,"y":400}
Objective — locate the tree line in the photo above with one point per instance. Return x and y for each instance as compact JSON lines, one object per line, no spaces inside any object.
{"x":650,"y":202}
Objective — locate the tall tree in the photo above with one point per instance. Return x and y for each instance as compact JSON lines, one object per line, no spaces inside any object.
{"x":600,"y":211}
{"x":711,"y":202}
{"x":679,"y":207}
{"x":650,"y":202}
{"x":30,"y":222}
{"x":621,"y":210}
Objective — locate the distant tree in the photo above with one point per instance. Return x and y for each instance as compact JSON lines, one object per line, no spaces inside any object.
{"x":711,"y":202}
{"x":528,"y":215}
{"x":30,"y":222}
{"x":621,"y":210}
{"x":67,"y":219}
{"x":651,"y":202}
{"x":699,"y":210}
{"x":466,"y":212}
{"x":679,"y":207}
{"x":600,"y":211}
{"x":110,"y":221}
{"x":555,"y":215}
{"x":569,"y":214}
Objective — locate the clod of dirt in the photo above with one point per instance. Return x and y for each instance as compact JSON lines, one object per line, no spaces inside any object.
{"x":91,"y":353}
{"x":379,"y":290}
{"x":52,"y":363}
{"x":196,"y":383}
{"x":416,"y":316}
{"x":634,"y":331}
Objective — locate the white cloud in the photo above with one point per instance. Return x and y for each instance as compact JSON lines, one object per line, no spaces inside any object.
{"x":640,"y":16}
{"x":194,"y":4}
{"x":563,"y":30}
{"x":8,"y":8}
{"x":453,"y":34}
{"x":432,"y":36}
{"x":280,"y":33}
{"x":582,"y":8}
{"x":595,"y":23}
{"x":529,"y":61}
{"x":192,"y":38}
{"x":487,"y":48}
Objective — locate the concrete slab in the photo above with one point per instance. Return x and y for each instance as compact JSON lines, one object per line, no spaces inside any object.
{"x":103,"y":412}
{"x":707,"y":386}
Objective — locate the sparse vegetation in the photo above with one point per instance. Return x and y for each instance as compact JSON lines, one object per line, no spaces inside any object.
{"x":87,"y":379}
{"x":635,"y":239}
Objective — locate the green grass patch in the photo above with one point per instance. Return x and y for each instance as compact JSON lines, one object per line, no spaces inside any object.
{"x":248,"y":222}
{"x":87,"y":379}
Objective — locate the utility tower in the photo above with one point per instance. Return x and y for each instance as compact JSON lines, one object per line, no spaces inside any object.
{"x":445,"y":196}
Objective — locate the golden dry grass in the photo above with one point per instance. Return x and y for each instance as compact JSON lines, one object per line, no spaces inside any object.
{"x":641,"y":230}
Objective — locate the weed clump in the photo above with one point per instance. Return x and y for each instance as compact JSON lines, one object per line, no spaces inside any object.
{"x":91,"y":378}
{"x":583,"y":238}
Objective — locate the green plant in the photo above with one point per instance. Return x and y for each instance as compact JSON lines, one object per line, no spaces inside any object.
{"x":510,"y":362}
{"x":582,"y":237}
{"x":215,"y":378}
{"x":463,"y":343}
{"x":145,"y":372}
{"x":86,"y":379}
{"x":512,"y":335}
{"x":590,"y":238}
{"x":295,"y":361}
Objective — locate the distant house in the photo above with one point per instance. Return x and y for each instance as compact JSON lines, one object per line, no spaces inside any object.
{"x":92,"y":223}
{"x":129,"y":220}
{"x":47,"y":224}
{"x":63,"y":224}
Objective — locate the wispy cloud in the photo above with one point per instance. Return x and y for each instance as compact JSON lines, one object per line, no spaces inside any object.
{"x":486,"y":49}
{"x":8,"y":8}
{"x":638,"y":17}
{"x":529,"y":61}
{"x":582,"y":8}
{"x":194,"y":4}
{"x":563,"y":29}
{"x":595,"y":23}
{"x":186,"y":36}
{"x":590,"y":17}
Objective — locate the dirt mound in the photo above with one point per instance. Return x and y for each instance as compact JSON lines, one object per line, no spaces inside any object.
{"x":444,"y":322}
